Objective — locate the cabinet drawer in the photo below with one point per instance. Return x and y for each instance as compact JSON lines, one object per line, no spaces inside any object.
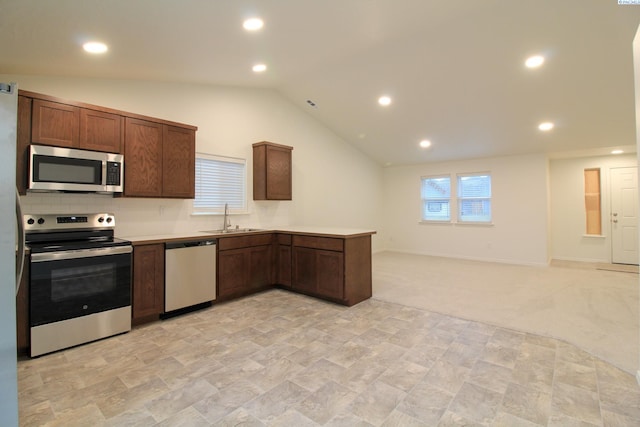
{"x":326,"y":243}
{"x":226,"y":243}
{"x":283,"y":239}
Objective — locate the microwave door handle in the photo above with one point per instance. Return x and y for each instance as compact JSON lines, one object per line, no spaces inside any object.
{"x":104,"y":172}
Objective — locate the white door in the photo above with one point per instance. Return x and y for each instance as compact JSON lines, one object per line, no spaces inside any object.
{"x":624,"y":215}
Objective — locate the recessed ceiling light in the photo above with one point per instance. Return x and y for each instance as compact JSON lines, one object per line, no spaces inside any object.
{"x":95,"y":47}
{"x":617,"y":152}
{"x":546,"y":126}
{"x":384,"y":100}
{"x":259,"y":68}
{"x":253,"y":24}
{"x":425,"y":143}
{"x":534,"y":61}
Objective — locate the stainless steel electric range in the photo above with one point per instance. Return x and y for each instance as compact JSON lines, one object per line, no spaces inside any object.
{"x":80,"y":280}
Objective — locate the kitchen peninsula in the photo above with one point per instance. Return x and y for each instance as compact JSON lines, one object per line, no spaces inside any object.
{"x":329,"y":263}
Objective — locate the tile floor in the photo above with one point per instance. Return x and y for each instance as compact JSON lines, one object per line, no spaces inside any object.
{"x":283,"y":359}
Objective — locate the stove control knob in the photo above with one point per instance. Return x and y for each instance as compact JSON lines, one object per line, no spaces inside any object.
{"x":100,"y":220}
{"x":109,"y":219}
{"x":40,"y":221}
{"x":31,"y":221}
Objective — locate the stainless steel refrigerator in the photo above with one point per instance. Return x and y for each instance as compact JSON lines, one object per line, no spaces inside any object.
{"x":8,"y":248}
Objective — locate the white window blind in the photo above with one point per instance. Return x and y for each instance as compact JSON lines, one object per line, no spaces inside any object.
{"x":220,"y":180}
{"x":474,"y":197}
{"x":436,"y":198}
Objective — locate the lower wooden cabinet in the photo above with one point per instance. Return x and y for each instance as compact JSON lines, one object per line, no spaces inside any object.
{"x":245,"y":265}
{"x":23,"y":330}
{"x":332,"y":268}
{"x":148,"y":282}
{"x":283,"y":260}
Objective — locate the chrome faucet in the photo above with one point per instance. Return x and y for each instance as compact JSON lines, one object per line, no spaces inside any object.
{"x":226,"y":222}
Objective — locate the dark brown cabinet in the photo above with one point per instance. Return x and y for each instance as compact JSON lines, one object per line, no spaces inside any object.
{"x":159,"y":160}
{"x":245,"y":265}
{"x":178,"y":162}
{"x":101,"y":131}
{"x":283,"y":259}
{"x":143,"y":158}
{"x":63,"y":125}
{"x":159,"y":154}
{"x":332,"y":268}
{"x":53,"y":123}
{"x":271,"y":171}
{"x":148,"y":282}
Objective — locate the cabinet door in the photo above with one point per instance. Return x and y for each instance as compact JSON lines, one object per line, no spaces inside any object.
{"x":148,"y":280}
{"x":101,"y":131}
{"x":142,"y":158}
{"x":284,"y":265}
{"x":330,"y":273}
{"x":233,"y":272}
{"x":319,"y":272}
{"x":304,"y":269}
{"x":178,"y":162}
{"x":55,"y":124}
{"x":278,"y":173}
{"x":260,"y":266}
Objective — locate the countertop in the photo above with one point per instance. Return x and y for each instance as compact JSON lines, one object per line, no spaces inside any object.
{"x":338,"y":232}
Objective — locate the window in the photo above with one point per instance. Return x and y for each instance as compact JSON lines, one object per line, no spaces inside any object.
{"x":220,"y":180}
{"x":474,"y":197}
{"x":436,"y":198}
{"x":592,"y":201}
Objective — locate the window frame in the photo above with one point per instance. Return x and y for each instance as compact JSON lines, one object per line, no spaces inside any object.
{"x":242,"y":207}
{"x":460,"y":199}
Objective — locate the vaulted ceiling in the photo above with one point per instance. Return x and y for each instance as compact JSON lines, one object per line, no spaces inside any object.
{"x":453,"y":69}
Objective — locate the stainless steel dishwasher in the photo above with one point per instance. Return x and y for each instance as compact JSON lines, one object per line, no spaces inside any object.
{"x":190,"y":274}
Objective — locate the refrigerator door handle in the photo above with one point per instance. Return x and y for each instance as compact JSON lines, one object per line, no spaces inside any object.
{"x":20,"y":255}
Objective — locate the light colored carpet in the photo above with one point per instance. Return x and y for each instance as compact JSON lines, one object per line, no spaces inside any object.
{"x":597,"y":310}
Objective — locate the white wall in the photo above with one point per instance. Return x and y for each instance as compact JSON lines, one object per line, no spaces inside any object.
{"x":568,"y":218}
{"x":519,"y":204}
{"x":333,"y":183}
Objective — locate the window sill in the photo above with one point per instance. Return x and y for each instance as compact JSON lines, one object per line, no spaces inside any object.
{"x":435,"y":222}
{"x":594,"y":236}
{"x":203,"y":213}
{"x":475,"y":224}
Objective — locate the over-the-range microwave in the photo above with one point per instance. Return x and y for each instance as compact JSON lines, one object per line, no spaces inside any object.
{"x":69,"y":169}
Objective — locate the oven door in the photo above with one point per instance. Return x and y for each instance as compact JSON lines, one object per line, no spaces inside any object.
{"x":69,"y":284}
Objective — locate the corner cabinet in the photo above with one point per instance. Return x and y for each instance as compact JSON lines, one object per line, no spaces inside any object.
{"x":148,"y":282}
{"x":271,"y":171}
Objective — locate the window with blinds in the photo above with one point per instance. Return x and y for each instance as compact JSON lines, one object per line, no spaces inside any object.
{"x":474,"y":197}
{"x":220,"y":181}
{"x":436,"y":198}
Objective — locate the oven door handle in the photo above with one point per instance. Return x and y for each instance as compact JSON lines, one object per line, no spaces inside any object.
{"x":80,"y":253}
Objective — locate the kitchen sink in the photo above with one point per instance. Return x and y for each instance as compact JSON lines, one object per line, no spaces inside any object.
{"x":231,"y":230}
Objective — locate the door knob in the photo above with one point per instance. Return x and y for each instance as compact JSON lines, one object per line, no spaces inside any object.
{"x":615,"y":214}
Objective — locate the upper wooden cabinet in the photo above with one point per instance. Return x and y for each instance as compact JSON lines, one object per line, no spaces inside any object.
{"x":159,"y":154}
{"x":56,"y":124}
{"x":178,"y":162}
{"x":100,"y":131}
{"x":159,"y":160}
{"x":63,"y":125}
{"x":271,"y":171}
{"x":143,"y":158}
